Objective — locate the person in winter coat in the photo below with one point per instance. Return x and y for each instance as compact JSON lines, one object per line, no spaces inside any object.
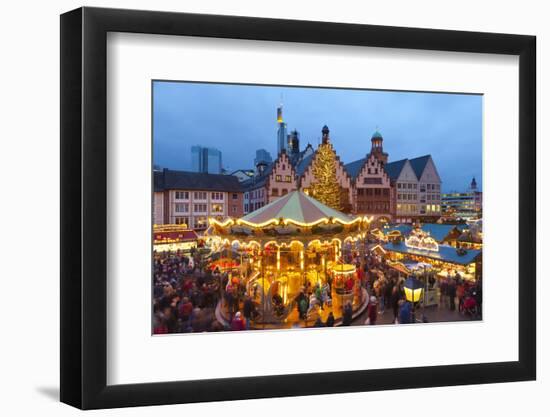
{"x":185,"y":309}
{"x":237,"y":323}
{"x":248,"y":310}
{"x":303,"y":306}
{"x":372,"y":310}
{"x":451,"y":291}
{"x":394,"y":300}
{"x":330,"y":320}
{"x":347,"y":317}
{"x":405,"y":312}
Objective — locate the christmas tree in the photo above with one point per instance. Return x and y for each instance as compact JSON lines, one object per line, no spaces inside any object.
{"x":325,"y":187}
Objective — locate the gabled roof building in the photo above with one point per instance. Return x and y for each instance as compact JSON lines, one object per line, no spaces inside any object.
{"x":400,"y":191}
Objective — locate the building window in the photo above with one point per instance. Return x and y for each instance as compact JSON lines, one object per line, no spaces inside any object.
{"x":233,"y":209}
{"x":182,"y":207}
{"x":199,"y":208}
{"x":200,"y":222}
{"x":246,"y":207}
{"x":398,"y":185}
{"x":278,"y":178}
{"x":275,"y":192}
{"x":182,"y":220}
{"x":288,"y":178}
{"x":284,"y":167}
{"x":216,"y":196}
{"x":376,"y":180}
{"x":182,"y":195}
{"x":217,"y":208}
{"x":234,"y":196}
{"x":199,"y":195}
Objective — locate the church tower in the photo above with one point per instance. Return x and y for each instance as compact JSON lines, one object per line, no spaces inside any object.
{"x":325,"y":132}
{"x":473,"y":184}
{"x":377,"y":148}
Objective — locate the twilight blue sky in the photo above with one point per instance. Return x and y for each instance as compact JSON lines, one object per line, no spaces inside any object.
{"x":238,"y":119}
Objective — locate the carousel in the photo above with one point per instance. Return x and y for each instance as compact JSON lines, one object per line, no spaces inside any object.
{"x":291,"y":250}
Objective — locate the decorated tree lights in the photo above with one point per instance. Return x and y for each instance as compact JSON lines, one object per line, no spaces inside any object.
{"x":325,"y":187}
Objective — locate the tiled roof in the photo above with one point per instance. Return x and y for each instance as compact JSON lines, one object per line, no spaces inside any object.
{"x":354,"y":167}
{"x":418,"y":164}
{"x":301,"y":167}
{"x":185,"y":180}
{"x":393,"y":169}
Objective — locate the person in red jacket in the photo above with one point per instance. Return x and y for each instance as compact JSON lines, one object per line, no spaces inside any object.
{"x":237,"y":323}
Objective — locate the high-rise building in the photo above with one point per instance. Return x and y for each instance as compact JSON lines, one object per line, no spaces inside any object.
{"x":206,"y":160}
{"x":282,"y":141}
{"x":262,"y":155}
{"x":294,"y":143}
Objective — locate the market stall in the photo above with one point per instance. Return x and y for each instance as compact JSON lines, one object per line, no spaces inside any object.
{"x":173,"y":237}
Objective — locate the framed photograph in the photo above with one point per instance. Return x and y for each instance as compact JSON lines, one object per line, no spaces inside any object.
{"x":256,"y":208}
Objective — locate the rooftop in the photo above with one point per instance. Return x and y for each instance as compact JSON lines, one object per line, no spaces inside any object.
{"x":295,"y":206}
{"x":445,"y":253}
{"x":184,"y":180}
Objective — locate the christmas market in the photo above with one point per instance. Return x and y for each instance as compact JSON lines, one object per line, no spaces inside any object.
{"x":174,"y":237}
{"x":419,"y":248}
{"x":323,"y":233}
{"x":293,"y":248}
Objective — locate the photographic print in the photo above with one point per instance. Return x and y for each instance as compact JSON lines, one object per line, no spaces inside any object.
{"x":285,"y":207}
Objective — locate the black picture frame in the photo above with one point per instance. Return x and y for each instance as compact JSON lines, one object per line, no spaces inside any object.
{"x":84,"y":207}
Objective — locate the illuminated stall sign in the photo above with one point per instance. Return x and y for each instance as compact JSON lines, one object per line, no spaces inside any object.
{"x":421,"y":240}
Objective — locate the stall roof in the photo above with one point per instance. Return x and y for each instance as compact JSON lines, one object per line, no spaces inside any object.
{"x":437,"y":231}
{"x":445,"y":253}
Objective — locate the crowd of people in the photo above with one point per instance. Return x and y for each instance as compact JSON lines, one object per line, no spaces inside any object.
{"x":185,"y":296}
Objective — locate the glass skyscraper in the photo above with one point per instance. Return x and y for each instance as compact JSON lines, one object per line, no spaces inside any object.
{"x":206,"y":160}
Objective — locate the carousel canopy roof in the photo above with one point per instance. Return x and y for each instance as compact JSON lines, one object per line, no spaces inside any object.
{"x":298,"y":207}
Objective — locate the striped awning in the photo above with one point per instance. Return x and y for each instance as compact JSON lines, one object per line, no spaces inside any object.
{"x":296,"y":208}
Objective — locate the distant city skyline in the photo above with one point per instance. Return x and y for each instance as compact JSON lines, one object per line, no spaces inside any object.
{"x":240,"y":119}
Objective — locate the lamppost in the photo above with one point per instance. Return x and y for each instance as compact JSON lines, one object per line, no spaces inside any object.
{"x":413,"y":292}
